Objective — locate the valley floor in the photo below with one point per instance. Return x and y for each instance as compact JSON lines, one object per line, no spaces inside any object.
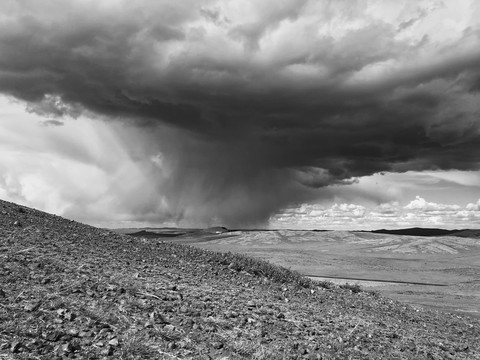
{"x":441,"y":273}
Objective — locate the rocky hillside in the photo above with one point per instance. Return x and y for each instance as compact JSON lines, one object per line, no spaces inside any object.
{"x":72,"y":291}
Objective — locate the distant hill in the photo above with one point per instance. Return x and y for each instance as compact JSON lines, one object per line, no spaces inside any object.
{"x":468,"y":233}
{"x":417,"y":231}
{"x":171,"y":232}
{"x":152,"y":234}
{"x":218,"y":230}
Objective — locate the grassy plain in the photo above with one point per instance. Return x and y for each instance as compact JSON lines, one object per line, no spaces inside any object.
{"x":437,"y":272}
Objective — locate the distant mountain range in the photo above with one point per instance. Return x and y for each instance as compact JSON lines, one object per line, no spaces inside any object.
{"x":416,"y":231}
{"x":168,"y":232}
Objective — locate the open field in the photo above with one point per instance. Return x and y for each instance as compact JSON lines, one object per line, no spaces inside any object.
{"x":438,"y":272}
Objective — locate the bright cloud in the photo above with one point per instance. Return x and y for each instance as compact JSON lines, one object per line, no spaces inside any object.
{"x":82,"y":170}
{"x":473,"y":207}
{"x":420,"y":204}
{"x":417,"y":213}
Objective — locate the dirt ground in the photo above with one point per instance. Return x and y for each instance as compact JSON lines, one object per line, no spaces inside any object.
{"x":437,"y":272}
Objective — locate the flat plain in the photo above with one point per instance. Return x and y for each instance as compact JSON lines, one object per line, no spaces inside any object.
{"x":437,"y":272}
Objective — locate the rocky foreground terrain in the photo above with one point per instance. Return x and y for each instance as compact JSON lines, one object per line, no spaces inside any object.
{"x":71,"y":291}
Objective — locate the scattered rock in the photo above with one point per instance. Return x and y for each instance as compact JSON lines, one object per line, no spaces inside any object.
{"x":73,"y":332}
{"x":149,"y":324}
{"x":16,"y":347}
{"x":169,"y":328}
{"x":217,"y":345}
{"x":69,"y":316}
{"x":107,"y":351}
{"x":53,"y":335}
{"x":67,"y":348}
{"x":32,"y":306}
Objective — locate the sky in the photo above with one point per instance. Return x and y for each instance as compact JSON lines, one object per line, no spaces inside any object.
{"x":254,"y":114}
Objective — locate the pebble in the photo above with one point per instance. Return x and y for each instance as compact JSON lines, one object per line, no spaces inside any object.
{"x":73,"y":332}
{"x":107,"y":351}
{"x":169,"y":328}
{"x":67,"y":348}
{"x":15,"y":347}
{"x":32,"y":306}
{"x":217,"y":345}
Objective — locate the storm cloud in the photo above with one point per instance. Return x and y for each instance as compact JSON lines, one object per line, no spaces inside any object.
{"x":258,"y":106}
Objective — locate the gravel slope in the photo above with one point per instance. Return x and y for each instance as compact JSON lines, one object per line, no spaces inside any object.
{"x":71,"y":291}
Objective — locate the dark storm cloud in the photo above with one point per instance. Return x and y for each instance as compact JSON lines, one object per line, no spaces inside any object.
{"x":270,"y":103}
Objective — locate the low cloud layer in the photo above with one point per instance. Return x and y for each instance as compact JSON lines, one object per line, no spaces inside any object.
{"x":255,"y":107}
{"x":417,"y":213}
